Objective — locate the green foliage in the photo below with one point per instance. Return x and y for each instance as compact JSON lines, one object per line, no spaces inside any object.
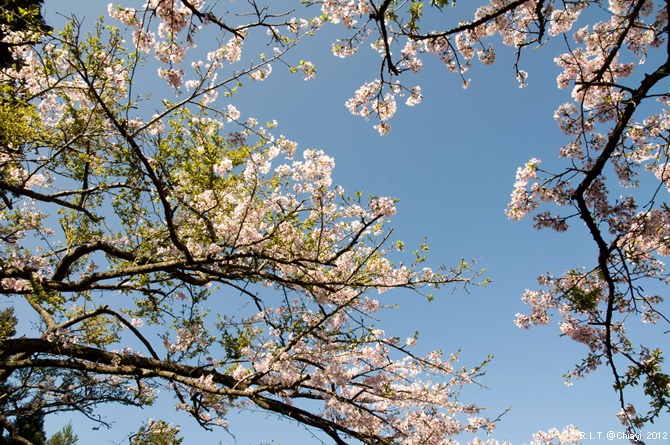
{"x":19,"y":15}
{"x":656,"y":384}
{"x":7,"y":323}
{"x":583,"y":300}
{"x":19,"y":121}
{"x":414,"y":15}
{"x":157,"y":433}
{"x":100,"y":331}
{"x":236,"y":342}
{"x":31,"y":428}
{"x":66,"y":436}
{"x":421,"y":257}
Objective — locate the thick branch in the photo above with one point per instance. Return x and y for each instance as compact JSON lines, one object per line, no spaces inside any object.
{"x":638,"y":95}
{"x":605,"y":250}
{"x":98,"y":360}
{"x":84,"y":358}
{"x":470,"y":25}
{"x":379,"y":17}
{"x":63,"y":267}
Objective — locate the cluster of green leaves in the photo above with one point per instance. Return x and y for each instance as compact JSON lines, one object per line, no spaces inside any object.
{"x":66,"y":436}
{"x":19,"y":121}
{"x":7,"y":323}
{"x":158,"y":433}
{"x":655,"y":382}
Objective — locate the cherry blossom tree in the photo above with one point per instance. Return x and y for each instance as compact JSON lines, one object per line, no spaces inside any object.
{"x":616,"y":62}
{"x":130,"y":222}
{"x":129,"y":238}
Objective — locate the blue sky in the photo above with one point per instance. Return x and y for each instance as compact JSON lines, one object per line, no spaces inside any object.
{"x":451,"y":161}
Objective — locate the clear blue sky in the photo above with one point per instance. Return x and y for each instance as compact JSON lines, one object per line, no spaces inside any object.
{"x":451,"y":161}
